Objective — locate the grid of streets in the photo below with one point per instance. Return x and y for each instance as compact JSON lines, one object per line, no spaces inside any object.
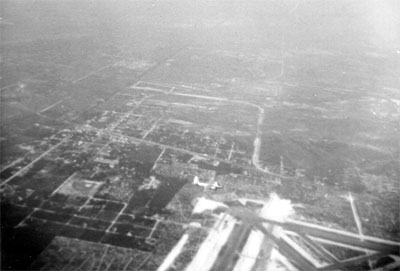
{"x":108,"y":180}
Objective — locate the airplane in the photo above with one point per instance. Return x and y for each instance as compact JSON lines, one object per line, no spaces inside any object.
{"x":211,"y":186}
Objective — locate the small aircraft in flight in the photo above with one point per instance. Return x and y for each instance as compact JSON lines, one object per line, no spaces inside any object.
{"x":209,"y":185}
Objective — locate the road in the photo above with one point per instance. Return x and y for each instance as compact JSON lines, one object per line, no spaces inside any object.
{"x":257,"y":140}
{"x":25,"y":168}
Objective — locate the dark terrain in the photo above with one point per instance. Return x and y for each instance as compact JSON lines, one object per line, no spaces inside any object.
{"x":110,"y":108}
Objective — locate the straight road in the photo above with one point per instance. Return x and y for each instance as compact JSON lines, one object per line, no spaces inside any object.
{"x":257,"y":140}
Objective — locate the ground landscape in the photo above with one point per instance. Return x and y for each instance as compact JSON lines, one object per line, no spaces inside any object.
{"x":109,"y":110}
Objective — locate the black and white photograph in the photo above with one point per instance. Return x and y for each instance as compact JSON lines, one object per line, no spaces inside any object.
{"x":200,"y":135}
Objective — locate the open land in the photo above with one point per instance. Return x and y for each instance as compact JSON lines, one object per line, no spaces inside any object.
{"x":109,"y":109}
